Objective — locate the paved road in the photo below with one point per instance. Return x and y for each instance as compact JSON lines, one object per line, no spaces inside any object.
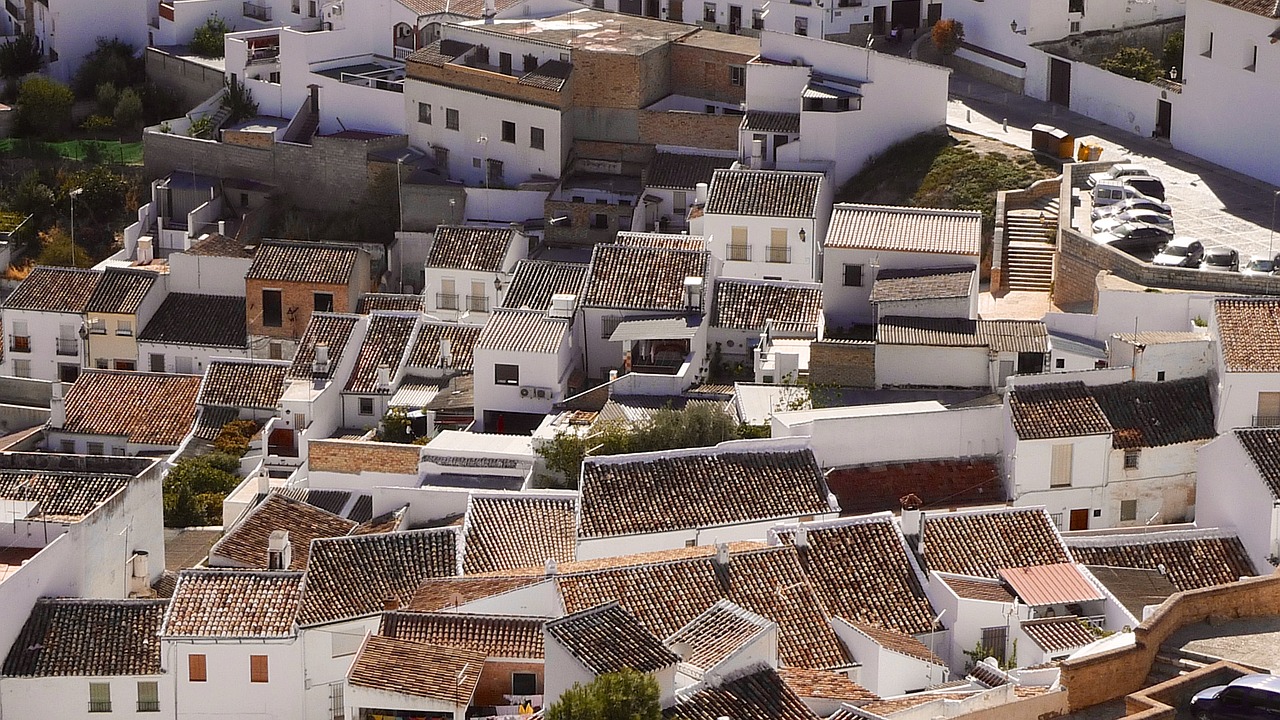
{"x":1209,"y":202}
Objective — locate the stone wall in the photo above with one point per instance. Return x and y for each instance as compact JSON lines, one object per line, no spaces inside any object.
{"x":1007,"y":200}
{"x":843,"y":363}
{"x":719,"y":132}
{"x":704,"y":73}
{"x":353,"y":457}
{"x":188,"y":79}
{"x":1094,"y":46}
{"x":1161,"y":702}
{"x":986,"y":73}
{"x":1043,"y":706}
{"x":488,"y":82}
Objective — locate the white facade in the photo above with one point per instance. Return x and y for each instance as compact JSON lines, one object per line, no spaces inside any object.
{"x":1029,"y":468}
{"x":55,"y":350}
{"x":208,"y":274}
{"x":68,"y":697}
{"x":541,"y":379}
{"x":229,"y":690}
{"x":917,"y":365}
{"x":967,"y":617}
{"x":749,"y":247}
{"x":1157,"y":362}
{"x":848,"y":304}
{"x":328,"y":651}
{"x":68,"y":33}
{"x":1159,"y":483}
{"x":883,"y":671}
{"x":187,"y":15}
{"x":182,"y":359}
{"x":1230,"y":494}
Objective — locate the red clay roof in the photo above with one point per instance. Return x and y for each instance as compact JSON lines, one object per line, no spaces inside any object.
{"x":946,"y":483}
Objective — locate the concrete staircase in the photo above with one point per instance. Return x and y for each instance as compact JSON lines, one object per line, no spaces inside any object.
{"x":1030,"y":242}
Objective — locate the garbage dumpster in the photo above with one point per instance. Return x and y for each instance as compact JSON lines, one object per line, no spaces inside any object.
{"x":1052,"y":141}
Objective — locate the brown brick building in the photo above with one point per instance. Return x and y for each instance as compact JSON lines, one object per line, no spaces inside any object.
{"x":289,"y":280}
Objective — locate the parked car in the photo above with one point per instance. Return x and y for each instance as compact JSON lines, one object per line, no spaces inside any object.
{"x":1114,"y":191}
{"x":1135,"y":238}
{"x":1142,"y":216}
{"x":1220,"y":259}
{"x":1116,"y":171}
{"x":1145,"y":184}
{"x":1259,"y":265}
{"x":1180,"y":252}
{"x":1252,"y":697}
{"x":1137,"y":203}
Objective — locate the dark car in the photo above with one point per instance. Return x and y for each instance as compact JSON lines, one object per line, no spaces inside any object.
{"x":1252,"y":697}
{"x":1221,"y":259}
{"x":1135,"y":238}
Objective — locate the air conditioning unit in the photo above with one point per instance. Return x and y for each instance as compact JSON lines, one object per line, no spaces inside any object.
{"x":541,"y":393}
{"x":535,"y":393}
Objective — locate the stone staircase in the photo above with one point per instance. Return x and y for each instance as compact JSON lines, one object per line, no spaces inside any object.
{"x":1030,"y":242}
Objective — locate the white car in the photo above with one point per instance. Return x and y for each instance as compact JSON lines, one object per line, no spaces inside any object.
{"x":1117,"y":171}
{"x":1180,"y":252}
{"x":1141,"y":203}
{"x":1148,"y":217}
{"x":1259,"y":265}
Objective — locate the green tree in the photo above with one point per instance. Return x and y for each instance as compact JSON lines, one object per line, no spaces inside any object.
{"x":44,"y":107}
{"x":20,"y":56}
{"x":207,"y":39}
{"x":1133,"y":62}
{"x":625,"y":695}
{"x":55,"y":249}
{"x":1171,"y":57}
{"x":106,"y":95}
{"x":395,"y":427}
{"x":195,"y":488}
{"x":239,"y":101}
{"x":128,"y":110}
{"x":114,"y":62}
{"x":234,"y":437}
{"x":947,"y":35}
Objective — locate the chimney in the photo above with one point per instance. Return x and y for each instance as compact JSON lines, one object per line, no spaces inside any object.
{"x":802,"y":537}
{"x":141,"y":566}
{"x":320,"y":364}
{"x":264,"y":483}
{"x":722,"y":555}
{"x":138,"y":580}
{"x":145,"y":252}
{"x":552,"y":568}
{"x":315,"y":98}
{"x":57,"y":406}
{"x":562,"y":306}
{"x":384,"y":377}
{"x":912,"y":515}
{"x":489,"y":12}
{"x":757,"y":154}
{"x":446,"y":352}
{"x":700,"y":194}
{"x":693,"y":293}
{"x":613,"y":375}
{"x":279,"y":551}
{"x":389,"y":604}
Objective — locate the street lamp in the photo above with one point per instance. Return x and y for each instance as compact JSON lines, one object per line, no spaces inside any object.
{"x":399,"y":191}
{"x":73,"y":195}
{"x":1275,"y":194}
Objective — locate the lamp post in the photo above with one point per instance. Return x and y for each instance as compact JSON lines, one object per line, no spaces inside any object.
{"x":399,"y":191}
{"x":73,"y":195}
{"x":1275,"y":195}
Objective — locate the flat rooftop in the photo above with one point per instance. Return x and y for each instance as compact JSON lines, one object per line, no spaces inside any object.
{"x":724,"y":42}
{"x":11,"y":560}
{"x":593,"y":30}
{"x":1247,"y":641}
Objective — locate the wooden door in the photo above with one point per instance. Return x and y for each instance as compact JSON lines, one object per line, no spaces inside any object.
{"x":1079,"y":519}
{"x":1060,"y":82}
{"x":675,"y":10}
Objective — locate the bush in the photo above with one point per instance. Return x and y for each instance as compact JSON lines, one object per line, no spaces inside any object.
{"x":625,"y":695}
{"x":20,"y":56}
{"x":113,"y":62}
{"x":128,"y":109}
{"x":947,"y":35}
{"x":239,"y":101}
{"x":55,"y":249}
{"x":967,"y":180}
{"x":1133,"y":62}
{"x":207,"y":40}
{"x":44,"y":107}
{"x":98,"y":123}
{"x":107,"y":95}
{"x":234,"y":437}
{"x":195,"y":488}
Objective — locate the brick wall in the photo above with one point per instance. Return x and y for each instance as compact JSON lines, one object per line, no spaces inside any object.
{"x":248,"y":138}
{"x":297,"y":302}
{"x":489,"y":82}
{"x":579,"y":231}
{"x":495,"y":680}
{"x":844,"y":364}
{"x":191,"y":81}
{"x":704,"y":73}
{"x":1160,"y":702}
{"x":353,"y":457}
{"x":719,"y":132}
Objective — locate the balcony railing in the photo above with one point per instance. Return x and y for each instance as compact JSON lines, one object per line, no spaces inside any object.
{"x":263,"y":55}
{"x":446,"y":301}
{"x":478,"y":303}
{"x":68,"y":347}
{"x":780,"y":254}
{"x":102,"y":706}
{"x":20,"y":343}
{"x":148,"y":706}
{"x":1266,"y":420}
{"x":740,"y":253}
{"x":257,"y":12}
{"x":402,"y":53}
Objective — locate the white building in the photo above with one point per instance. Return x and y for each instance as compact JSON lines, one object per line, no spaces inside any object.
{"x":577,"y":651}
{"x":1246,"y":371}
{"x":116,"y":412}
{"x":467,"y":269}
{"x":188,"y":331}
{"x":1237,"y":487}
{"x":742,"y":308}
{"x":767,"y":224}
{"x":44,"y":324}
{"x":524,"y":364}
{"x":955,"y":352}
{"x":67,"y":33}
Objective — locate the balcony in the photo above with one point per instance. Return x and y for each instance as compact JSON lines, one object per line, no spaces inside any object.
{"x":1266,"y":420}
{"x":257,"y":12}
{"x":446,"y":301}
{"x":100,"y":706}
{"x":148,"y":706}
{"x":263,"y":55}
{"x":477,"y":303}
{"x":20,"y":343}
{"x":739,"y":253}
{"x":779,"y":254}
{"x":403,"y":53}
{"x":68,"y":347}
{"x":15,"y":11}
{"x":165,"y":10}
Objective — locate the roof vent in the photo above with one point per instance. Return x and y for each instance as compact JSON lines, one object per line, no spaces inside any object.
{"x":279,"y":550}
{"x":320,"y":365}
{"x":446,"y":352}
{"x":384,"y":377}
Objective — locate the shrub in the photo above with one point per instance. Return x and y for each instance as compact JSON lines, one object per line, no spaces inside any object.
{"x":195,"y":488}
{"x":201,"y":127}
{"x":107,"y":95}
{"x":239,"y":101}
{"x":947,"y":35}
{"x":1133,"y":62}
{"x":55,"y":249}
{"x":113,"y":62}
{"x":234,"y":437}
{"x":95,"y":123}
{"x":20,"y":56}
{"x":44,"y":107}
{"x":128,"y":109}
{"x":207,"y":39}
{"x":625,"y":695}
{"x":1171,"y":57}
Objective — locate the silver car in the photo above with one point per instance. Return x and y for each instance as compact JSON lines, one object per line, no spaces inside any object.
{"x":1142,"y":203}
{"x":1148,"y":217}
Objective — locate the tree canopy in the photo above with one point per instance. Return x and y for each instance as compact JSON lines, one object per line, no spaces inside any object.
{"x":625,"y":695}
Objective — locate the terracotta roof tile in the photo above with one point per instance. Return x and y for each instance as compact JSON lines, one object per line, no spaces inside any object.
{"x":370,"y":302}
{"x":497,"y":636}
{"x":462,"y":247}
{"x":216,"y":245}
{"x":825,"y":684}
{"x":999,"y":335}
{"x":747,"y":304}
{"x":977,"y":588}
{"x":333,"y":329}
{"x":764,"y":193}
{"x":757,"y":694}
{"x":147,"y":408}
{"x":1055,"y":584}
{"x":411,"y":668}
{"x":120,"y":291}
{"x":675,"y":241}
{"x":211,"y":419}
{"x":678,"y":171}
{"x":535,"y":281}
{"x":246,"y":544}
{"x":905,"y":229}
{"x":64,"y":496}
{"x":55,"y":289}
{"x":102,"y":638}
{"x":1249,"y":334}
{"x":462,"y":340}
{"x":1135,"y":588}
{"x":946,"y":483}
{"x":927,"y":284}
{"x":508,"y":532}
{"x":234,"y":604}
{"x":1056,"y":411}
{"x":306,"y":262}
{"x":385,"y":343}
{"x":1058,"y":634}
{"x":980,"y":543}
{"x":1162,"y":337}
{"x":672,"y":490}
{"x":1263,"y":447}
{"x":550,"y":75}
{"x":237,"y":383}
{"x":446,"y":593}
{"x":772,"y":122}
{"x":638,"y":278}
{"x":355,"y":576}
{"x":206,"y":320}
{"x":525,"y":331}
{"x":1265,"y":8}
{"x":886,"y":708}
{"x":1157,"y":414}
{"x":387,"y":522}
{"x":608,"y":638}
{"x":716,"y":634}
{"x":1192,"y":559}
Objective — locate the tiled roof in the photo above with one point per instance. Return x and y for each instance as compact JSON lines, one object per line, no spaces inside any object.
{"x":999,"y":335}
{"x":716,"y":634}
{"x":550,"y":75}
{"x":55,"y":289}
{"x":977,"y":589}
{"x":608,"y":638}
{"x":385,"y":523}
{"x":905,"y":229}
{"x":885,"y":708}
{"x":102,"y":638}
{"x":765,"y":193}
{"x":446,"y":593}
{"x":927,"y":284}
{"x":362,"y":509}
{"x":861,"y":570}
{"x":772,"y":122}
{"x":216,"y":245}
{"x":676,"y":241}
{"x":672,"y":490}
{"x":411,"y":668}
{"x":147,"y":408}
{"x":246,"y":544}
{"x":747,"y":304}
{"x":464,"y":247}
{"x":210,"y":421}
{"x":1265,"y":8}
{"x":677,"y":171}
{"x":1135,"y":588}
{"x":370,"y":302}
{"x":120,"y":291}
{"x":354,"y":576}
{"x":1262,"y":445}
{"x":384,"y":343}
{"x":66,"y":496}
{"x":440,"y":52}
{"x":243,"y":383}
{"x":1190,"y":559}
{"x":980,"y":543}
{"x":535,"y":281}
{"x":207,"y":320}
{"x":640,"y":278}
{"x":1056,"y":411}
{"x":825,"y":684}
{"x":759,"y":694}
{"x":946,"y":483}
{"x":234,"y":604}
{"x":497,"y":636}
{"x":1249,"y":331}
{"x":1057,"y":634}
{"x":666,"y":594}
{"x":1055,"y":584}
{"x":306,"y":262}
{"x":1161,"y":337}
{"x":462,"y":342}
{"x":333,"y":329}
{"x":526,"y":331}
{"x":898,"y":642}
{"x":514,"y":531}
{"x":1157,"y":414}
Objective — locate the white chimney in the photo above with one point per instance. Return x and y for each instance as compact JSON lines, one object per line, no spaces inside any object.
{"x":802,"y":537}
{"x":141,"y":566}
{"x":320,"y":364}
{"x":562,"y":306}
{"x":146,"y":252}
{"x":757,"y":154}
{"x":57,"y":406}
{"x":722,"y":554}
{"x":489,"y":11}
{"x":693,"y":293}
{"x":384,"y":378}
{"x":613,"y":375}
{"x":264,"y":483}
{"x":139,"y":585}
{"x":279,"y":550}
{"x":446,"y":352}
{"x":700,"y":193}
{"x":551,"y":567}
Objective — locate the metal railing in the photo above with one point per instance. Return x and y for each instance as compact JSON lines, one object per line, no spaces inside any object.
{"x":263,"y":55}
{"x":103,"y":706}
{"x":68,"y":347}
{"x":1266,"y":420}
{"x":478,"y":303}
{"x":779,"y":254}
{"x":402,"y":53}
{"x":446,"y":301}
{"x":257,"y":12}
{"x":148,"y":706}
{"x":739,"y":253}
{"x":20,"y":343}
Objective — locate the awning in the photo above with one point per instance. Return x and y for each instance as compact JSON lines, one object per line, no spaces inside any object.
{"x":662,"y":329}
{"x":826,"y":92}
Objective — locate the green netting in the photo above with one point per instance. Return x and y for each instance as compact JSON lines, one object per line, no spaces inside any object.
{"x":110,"y":151}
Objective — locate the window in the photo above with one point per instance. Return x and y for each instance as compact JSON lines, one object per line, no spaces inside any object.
{"x":67,"y":372}
{"x":537,"y":138}
{"x":737,"y":73}
{"x":148,"y":696}
{"x":22,"y":368}
{"x":608,"y":324}
{"x":738,"y":248}
{"x":708,"y":12}
{"x":1060,"y":363}
{"x":477,"y":301}
{"x":1251,"y":59}
{"x":258,"y":668}
{"x":337,"y":704}
{"x":297,"y":7}
{"x":184,"y":365}
{"x":1075,"y":6}
{"x":1160,"y":376}
{"x":272,"y":312}
{"x":1268,"y":410}
{"x":504,"y":62}
{"x":312,"y":8}
{"x":98,"y":327}
{"x":994,"y":640}
{"x":442,"y":159}
{"x":530,"y":63}
{"x":1208,"y":46}
{"x":802,"y":26}
{"x":275,"y":351}
{"x":66,"y":446}
{"x":124,"y":328}
{"x":494,"y":175}
{"x":853,"y":276}
{"x":451,"y":119}
{"x":508,"y":132}
{"x":125,"y":365}
{"x":1128,"y":510}
{"x":99,"y":697}
{"x":94,"y":448}
{"x":524,"y":683}
{"x":322,"y":302}
{"x":757,"y":19}
{"x":679,"y":202}
{"x":599,"y":221}
{"x":1131,"y":459}
{"x":624,"y":223}
{"x":1060,"y":466}
{"x":196,"y":669}
{"x":447,"y":298}
{"x":366,"y":406}
{"x":424,"y":113}
{"x":779,"y":252}
{"x":274,"y":78}
{"x":506,"y":374}
{"x":1075,"y":26}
